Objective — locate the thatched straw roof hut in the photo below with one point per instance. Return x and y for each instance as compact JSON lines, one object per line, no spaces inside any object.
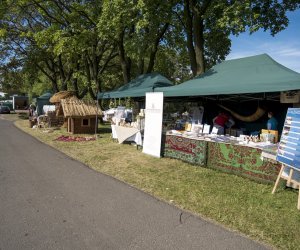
{"x":74,"y":107}
{"x":81,"y":115}
{"x":61,"y":95}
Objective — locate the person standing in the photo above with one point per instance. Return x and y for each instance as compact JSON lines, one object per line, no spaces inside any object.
{"x":31,"y":110}
{"x":221,"y":120}
{"x":272,"y":123}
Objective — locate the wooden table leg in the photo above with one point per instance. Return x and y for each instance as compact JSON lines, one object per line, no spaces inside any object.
{"x":278,"y":179}
{"x":298,"y":205}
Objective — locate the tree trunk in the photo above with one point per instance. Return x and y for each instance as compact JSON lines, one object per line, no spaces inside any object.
{"x":83,"y":93}
{"x":75,"y":81}
{"x":193,"y":13}
{"x":92,"y":94}
{"x":141,"y":64}
{"x":89,"y":74}
{"x":125,"y":62}
{"x":54,"y":85}
{"x":199,"y":43}
{"x":95,"y":63}
{"x":155,"y":48}
{"x":62,"y":74}
{"x":189,"y":35}
{"x":87,"y":69}
{"x":51,"y":76}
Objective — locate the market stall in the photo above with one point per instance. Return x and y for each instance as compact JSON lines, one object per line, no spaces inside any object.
{"x":42,"y":101}
{"x":229,"y":154}
{"x":123,"y":127}
{"x":247,"y":89}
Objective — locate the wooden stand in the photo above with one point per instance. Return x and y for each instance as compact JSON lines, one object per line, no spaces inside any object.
{"x":289,"y":180}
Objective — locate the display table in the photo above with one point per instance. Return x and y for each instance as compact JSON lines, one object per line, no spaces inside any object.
{"x":186,"y":149}
{"x":238,"y":159}
{"x":242,"y":160}
{"x":122,"y":134}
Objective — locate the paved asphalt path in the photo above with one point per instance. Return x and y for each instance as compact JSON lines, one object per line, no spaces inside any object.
{"x":49,"y":201}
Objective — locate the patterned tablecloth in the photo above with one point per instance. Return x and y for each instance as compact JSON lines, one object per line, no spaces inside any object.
{"x":186,"y":149}
{"x":241,"y":160}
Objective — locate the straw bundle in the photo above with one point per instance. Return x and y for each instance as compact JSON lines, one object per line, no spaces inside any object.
{"x":78,"y":108}
{"x":61,"y":95}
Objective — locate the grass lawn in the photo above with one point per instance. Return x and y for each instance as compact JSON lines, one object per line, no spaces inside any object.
{"x":235,"y":202}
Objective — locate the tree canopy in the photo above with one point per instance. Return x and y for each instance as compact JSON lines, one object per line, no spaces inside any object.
{"x":93,"y":45}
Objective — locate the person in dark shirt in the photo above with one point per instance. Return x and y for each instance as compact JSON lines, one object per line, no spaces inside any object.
{"x":272,"y":123}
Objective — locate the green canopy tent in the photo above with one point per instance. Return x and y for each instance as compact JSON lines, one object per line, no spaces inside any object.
{"x":41,"y":101}
{"x":138,"y":87}
{"x":249,"y":75}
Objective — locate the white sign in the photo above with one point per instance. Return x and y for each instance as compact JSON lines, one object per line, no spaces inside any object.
{"x":153,"y":123}
{"x":290,"y":97}
{"x":214,"y":131}
{"x":206,"y":129}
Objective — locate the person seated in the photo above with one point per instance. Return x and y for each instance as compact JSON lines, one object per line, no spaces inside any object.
{"x":272,"y":123}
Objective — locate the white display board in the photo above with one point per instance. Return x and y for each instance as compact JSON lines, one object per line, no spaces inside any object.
{"x":288,"y":152}
{"x":289,"y":147}
{"x":153,"y":123}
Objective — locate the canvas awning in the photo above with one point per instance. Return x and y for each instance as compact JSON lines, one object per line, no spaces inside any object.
{"x":255,"y":74}
{"x":138,"y":87}
{"x":41,"y":101}
{"x":45,"y":96}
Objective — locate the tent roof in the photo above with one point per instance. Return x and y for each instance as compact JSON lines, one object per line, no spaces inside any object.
{"x":255,"y":74}
{"x":45,"y":96}
{"x":138,"y":87}
{"x":74,"y":107}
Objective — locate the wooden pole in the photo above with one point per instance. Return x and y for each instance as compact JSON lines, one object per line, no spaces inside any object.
{"x":96,"y":122}
{"x":278,"y":179}
{"x":289,"y":180}
{"x":298,"y":206}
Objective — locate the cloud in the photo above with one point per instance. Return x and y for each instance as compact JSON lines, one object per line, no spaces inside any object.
{"x":282,"y":48}
{"x":290,"y":52}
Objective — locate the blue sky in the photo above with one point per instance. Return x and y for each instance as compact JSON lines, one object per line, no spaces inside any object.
{"x":283,"y":47}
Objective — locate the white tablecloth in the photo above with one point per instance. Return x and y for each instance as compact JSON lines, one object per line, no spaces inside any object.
{"x":126,"y":134}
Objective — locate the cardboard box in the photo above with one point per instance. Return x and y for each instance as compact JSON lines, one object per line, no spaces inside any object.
{"x":231,"y":132}
{"x":265,"y":133}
